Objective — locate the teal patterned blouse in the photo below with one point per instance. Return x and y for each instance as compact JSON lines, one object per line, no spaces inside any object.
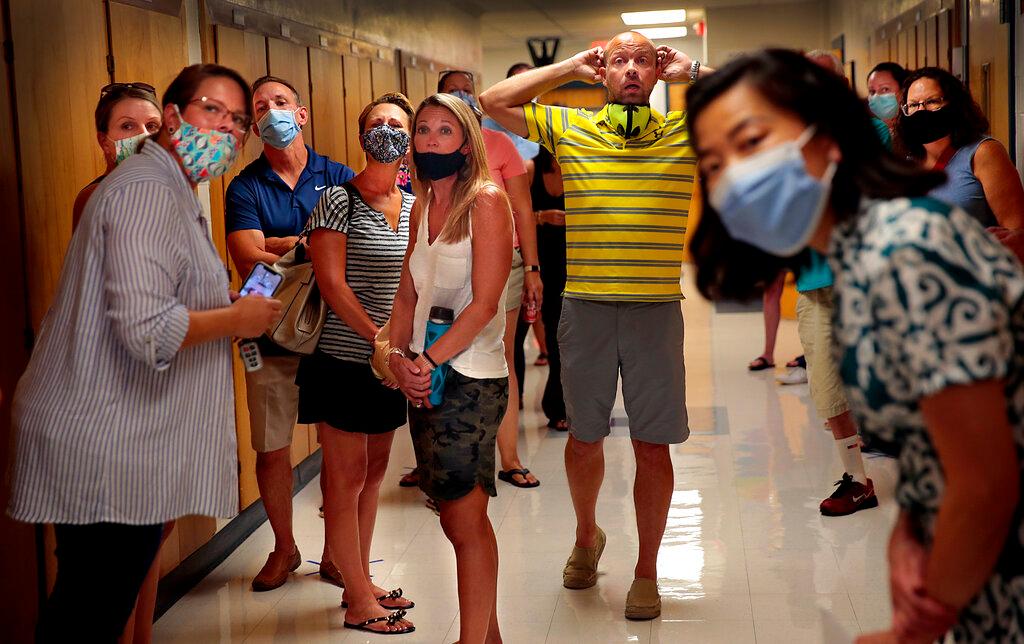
{"x":927,"y":299}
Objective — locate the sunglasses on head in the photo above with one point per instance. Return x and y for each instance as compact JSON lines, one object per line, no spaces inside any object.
{"x":447,"y":72}
{"x":121,"y":87}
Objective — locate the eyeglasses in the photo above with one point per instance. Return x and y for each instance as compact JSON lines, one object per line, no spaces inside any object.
{"x":930,"y":105}
{"x":120,"y":87}
{"x":216,"y":109}
{"x":444,"y":73}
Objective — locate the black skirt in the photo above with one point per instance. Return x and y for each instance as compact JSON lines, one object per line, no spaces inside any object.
{"x":347,"y":396}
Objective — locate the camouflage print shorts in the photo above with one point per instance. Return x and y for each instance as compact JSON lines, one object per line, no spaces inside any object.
{"x":455,"y":441}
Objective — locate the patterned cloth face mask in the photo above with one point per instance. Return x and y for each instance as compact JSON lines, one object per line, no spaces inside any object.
{"x":124,"y":148}
{"x":204,"y":153}
{"x":385,"y":144}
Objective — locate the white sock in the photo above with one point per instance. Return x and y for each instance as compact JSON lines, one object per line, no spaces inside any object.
{"x":853,"y":462}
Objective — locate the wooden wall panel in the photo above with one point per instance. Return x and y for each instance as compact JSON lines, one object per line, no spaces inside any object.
{"x":289,"y":61}
{"x":19,"y":584}
{"x":358,"y":94}
{"x":591,"y":98}
{"x":417,"y":85}
{"x":902,"y":49}
{"x":384,"y":78}
{"x":944,"y":41}
{"x":246,"y":53}
{"x":921,"y":37}
{"x":57,"y":44}
{"x":148,"y":46}
{"x":327,"y":102}
{"x":989,"y":53}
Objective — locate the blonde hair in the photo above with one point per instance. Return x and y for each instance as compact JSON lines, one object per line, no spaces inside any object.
{"x":473,"y":177}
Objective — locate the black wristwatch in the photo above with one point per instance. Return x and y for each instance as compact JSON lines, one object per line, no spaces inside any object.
{"x":531,"y":268}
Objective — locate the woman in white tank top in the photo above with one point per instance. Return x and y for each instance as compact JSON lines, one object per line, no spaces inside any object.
{"x":459,"y":258}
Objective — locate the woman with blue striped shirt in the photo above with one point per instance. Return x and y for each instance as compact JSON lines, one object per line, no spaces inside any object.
{"x":125,"y":415}
{"x":360,"y":231}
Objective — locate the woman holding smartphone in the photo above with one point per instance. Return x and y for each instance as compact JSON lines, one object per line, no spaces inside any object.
{"x":459,"y":258}
{"x":124,"y":416}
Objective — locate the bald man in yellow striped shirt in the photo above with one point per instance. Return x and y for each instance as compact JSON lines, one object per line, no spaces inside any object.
{"x":628,"y":176}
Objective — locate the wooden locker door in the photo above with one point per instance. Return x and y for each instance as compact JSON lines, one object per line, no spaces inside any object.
{"x":148,"y":46}
{"x":289,"y":61}
{"x":19,"y":583}
{"x":416,"y":86}
{"x":944,"y":41}
{"x":327,"y":99}
{"x":921,"y":35}
{"x":358,"y":94}
{"x":60,"y":51}
{"x":989,"y":54}
{"x":246,"y":53}
{"x":931,"y":33}
{"x":384,"y":78}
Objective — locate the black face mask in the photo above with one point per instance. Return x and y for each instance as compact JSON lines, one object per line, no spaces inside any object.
{"x":923,"y":126}
{"x":434,"y":166}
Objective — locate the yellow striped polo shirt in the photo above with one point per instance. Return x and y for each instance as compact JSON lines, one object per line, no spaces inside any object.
{"x":626,"y":202}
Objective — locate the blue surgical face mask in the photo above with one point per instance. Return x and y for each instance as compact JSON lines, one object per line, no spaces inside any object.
{"x":468,"y":99}
{"x":278,"y":128}
{"x":884,"y":106}
{"x":769,"y":201}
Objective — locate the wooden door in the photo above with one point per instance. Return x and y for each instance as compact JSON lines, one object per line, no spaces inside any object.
{"x":290,"y":61}
{"x":246,"y":53}
{"x":988,"y":61}
{"x":147,"y":46}
{"x":19,"y":583}
{"x":358,"y":94}
{"x":327,"y":101}
{"x":944,"y":41}
{"x":921,"y":36}
{"x":384,"y":78}
{"x":416,"y":85}
{"x":60,"y":50}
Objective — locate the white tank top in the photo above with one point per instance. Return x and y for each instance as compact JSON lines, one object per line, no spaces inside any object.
{"x":443,"y":276}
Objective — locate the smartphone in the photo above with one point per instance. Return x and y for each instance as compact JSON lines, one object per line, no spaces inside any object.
{"x":263,"y":280}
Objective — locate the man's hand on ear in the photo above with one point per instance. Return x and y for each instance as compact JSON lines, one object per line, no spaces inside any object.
{"x":589,"y":65}
{"x":673,"y":65}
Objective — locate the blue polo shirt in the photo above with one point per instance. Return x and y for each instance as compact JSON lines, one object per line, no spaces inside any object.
{"x":258,"y":199}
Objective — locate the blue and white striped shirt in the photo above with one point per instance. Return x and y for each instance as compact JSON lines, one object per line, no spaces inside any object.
{"x":114,"y":420}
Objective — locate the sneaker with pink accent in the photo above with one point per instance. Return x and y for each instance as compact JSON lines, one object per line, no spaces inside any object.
{"x":849,"y":497}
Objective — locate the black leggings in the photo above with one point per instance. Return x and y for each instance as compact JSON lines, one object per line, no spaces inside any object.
{"x":100,"y":569}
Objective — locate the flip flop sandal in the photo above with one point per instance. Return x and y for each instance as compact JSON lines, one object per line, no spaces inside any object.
{"x":760,"y":364}
{"x":391,"y":619}
{"x":409,"y":480}
{"x":509,"y":477}
{"x":394,"y":594}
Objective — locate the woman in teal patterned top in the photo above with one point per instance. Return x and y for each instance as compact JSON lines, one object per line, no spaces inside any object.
{"x":929,"y":324}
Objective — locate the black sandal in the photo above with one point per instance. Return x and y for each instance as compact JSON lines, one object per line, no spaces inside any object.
{"x":394,"y":594}
{"x":391,"y":619}
{"x":509,"y":477}
{"x":760,"y":364}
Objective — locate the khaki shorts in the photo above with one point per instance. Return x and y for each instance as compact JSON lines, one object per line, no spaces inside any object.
{"x":814,"y":323}
{"x":273,"y":400}
{"x":598,"y":341}
{"x":514,"y":298}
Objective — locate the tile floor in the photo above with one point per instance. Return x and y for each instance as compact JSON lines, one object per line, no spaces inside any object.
{"x":746,"y":556}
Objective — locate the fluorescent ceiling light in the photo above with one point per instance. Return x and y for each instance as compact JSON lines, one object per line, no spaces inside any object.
{"x":654,"y":17}
{"x":662,"y":33}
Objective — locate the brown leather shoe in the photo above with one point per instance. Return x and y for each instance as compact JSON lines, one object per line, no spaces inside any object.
{"x":269,"y":578}
{"x":330,"y":573}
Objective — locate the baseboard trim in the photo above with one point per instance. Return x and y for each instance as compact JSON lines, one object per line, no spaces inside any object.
{"x":177,"y":583}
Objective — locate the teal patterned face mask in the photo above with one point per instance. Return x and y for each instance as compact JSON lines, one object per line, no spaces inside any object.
{"x":124,"y":148}
{"x":204,"y":153}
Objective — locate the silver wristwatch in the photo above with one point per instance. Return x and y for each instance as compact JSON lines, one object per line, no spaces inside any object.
{"x":694,"y":71}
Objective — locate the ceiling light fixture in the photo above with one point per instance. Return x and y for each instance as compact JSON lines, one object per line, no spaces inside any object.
{"x":662,"y":33}
{"x":654,"y":17}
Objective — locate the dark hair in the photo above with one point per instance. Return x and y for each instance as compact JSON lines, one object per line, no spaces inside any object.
{"x":392,"y":98}
{"x":448,"y":72}
{"x":108,"y":100}
{"x":185,"y":85}
{"x":898,"y":73}
{"x":263,"y":80}
{"x":516,"y":68}
{"x":969,"y":122}
{"x":544,"y":161}
{"x":727,"y":268}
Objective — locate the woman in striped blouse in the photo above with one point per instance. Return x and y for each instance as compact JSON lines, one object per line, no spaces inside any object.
{"x":360,"y":231}
{"x":124,"y":417}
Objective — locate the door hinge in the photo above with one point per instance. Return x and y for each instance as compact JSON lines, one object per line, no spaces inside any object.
{"x":110,"y":65}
